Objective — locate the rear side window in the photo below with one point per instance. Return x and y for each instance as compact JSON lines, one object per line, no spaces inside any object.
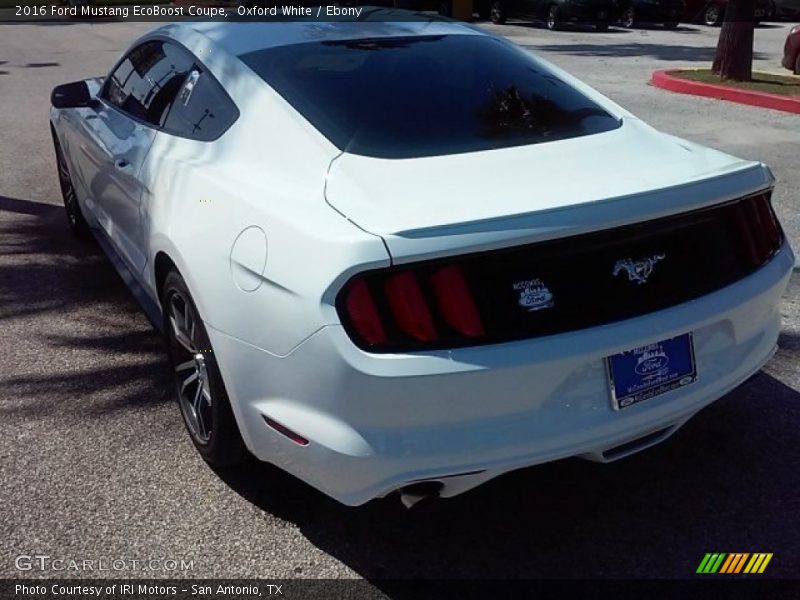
{"x":202,"y":110}
{"x":147,"y":80}
{"x":407,"y":97}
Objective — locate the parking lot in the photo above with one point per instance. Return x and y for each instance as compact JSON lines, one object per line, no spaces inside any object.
{"x":95,"y":462}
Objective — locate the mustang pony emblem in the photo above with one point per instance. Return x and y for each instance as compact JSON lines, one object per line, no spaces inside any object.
{"x":638,"y":270}
{"x":534,"y":295}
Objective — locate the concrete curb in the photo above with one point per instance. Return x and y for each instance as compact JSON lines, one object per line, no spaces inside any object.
{"x":666,"y":80}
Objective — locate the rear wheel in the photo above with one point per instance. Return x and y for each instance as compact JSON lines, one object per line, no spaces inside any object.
{"x":202,"y":399}
{"x":712,"y":15}
{"x":797,"y":65}
{"x":628,"y":18}
{"x":497,"y":12}
{"x":553,"y":18}
{"x":601,"y":26}
{"x":77,"y":223}
{"x":671,"y":25}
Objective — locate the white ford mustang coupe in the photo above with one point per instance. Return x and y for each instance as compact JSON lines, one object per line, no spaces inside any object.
{"x":413,"y":256}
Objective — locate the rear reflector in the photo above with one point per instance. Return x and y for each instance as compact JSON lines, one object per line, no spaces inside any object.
{"x":283,"y":430}
{"x":408,"y":306}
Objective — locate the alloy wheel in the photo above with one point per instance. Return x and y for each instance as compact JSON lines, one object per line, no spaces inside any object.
{"x":712,"y":15}
{"x":496,"y":14}
{"x":628,"y":17}
{"x":552,"y":18}
{"x":67,"y":191}
{"x":192,"y":380}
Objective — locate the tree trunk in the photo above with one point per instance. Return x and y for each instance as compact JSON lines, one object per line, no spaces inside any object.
{"x":734,"y":58}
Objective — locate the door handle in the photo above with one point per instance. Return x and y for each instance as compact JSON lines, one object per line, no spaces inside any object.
{"x":121,"y":163}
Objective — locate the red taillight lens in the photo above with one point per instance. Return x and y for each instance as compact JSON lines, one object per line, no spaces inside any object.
{"x":283,"y":430}
{"x":363,"y":314}
{"x":769,"y":223}
{"x":410,"y":309}
{"x":455,"y":301}
{"x":408,"y":306}
{"x":759,"y":229}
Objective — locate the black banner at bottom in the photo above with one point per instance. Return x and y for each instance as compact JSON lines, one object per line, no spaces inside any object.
{"x":358,"y":589}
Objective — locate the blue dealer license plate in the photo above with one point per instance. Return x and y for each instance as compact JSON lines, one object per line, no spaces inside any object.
{"x":642,"y":373}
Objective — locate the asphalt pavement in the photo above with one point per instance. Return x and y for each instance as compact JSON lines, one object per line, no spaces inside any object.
{"x":95,"y":463}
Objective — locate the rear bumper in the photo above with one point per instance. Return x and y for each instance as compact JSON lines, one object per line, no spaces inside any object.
{"x":378,"y":422}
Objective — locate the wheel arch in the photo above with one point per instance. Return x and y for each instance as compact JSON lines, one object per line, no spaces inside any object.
{"x":162,"y":265}
{"x":166,"y":258}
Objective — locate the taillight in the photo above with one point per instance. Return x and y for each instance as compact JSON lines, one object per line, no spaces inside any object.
{"x":759,"y":230}
{"x":363,"y":314}
{"x":455,"y":301}
{"x":771,"y":229}
{"x":410,"y":309}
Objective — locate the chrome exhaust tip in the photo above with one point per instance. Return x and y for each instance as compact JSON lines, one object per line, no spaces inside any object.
{"x":411,"y":495}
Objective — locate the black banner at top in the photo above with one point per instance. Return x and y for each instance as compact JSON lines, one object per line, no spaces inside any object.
{"x":244,"y":11}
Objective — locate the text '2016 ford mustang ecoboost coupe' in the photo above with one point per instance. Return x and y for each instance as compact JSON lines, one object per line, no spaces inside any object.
{"x":413,"y":256}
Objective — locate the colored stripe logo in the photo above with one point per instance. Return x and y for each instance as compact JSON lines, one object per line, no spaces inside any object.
{"x":734,"y":563}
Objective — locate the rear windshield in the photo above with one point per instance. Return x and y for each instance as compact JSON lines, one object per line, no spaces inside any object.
{"x":407,"y":97}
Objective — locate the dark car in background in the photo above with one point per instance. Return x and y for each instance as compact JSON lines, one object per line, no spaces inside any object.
{"x":554,"y":13}
{"x":647,"y":12}
{"x":712,"y":12}
{"x":784,"y":9}
{"x":791,"y":51}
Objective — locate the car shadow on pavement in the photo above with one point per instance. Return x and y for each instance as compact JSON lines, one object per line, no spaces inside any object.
{"x":70,"y":329}
{"x":724,"y":482}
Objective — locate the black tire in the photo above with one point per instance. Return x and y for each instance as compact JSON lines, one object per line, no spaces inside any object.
{"x":484,"y":10}
{"x":601,"y":27}
{"x":712,"y":14}
{"x":797,"y":65}
{"x":553,"y":22}
{"x":497,"y":12}
{"x":75,"y":218}
{"x":203,"y":401}
{"x":628,"y":17}
{"x":445,"y":8}
{"x":671,"y":25}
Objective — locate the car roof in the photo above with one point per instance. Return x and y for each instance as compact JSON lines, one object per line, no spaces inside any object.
{"x":243,"y":37}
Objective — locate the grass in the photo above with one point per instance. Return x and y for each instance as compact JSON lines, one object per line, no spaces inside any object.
{"x":780,"y":85}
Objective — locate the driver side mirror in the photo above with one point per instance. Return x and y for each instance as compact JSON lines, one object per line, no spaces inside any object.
{"x":71,"y":95}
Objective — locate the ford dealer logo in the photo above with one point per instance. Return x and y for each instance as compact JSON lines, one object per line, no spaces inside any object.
{"x":651,"y":361}
{"x":534,"y":295}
